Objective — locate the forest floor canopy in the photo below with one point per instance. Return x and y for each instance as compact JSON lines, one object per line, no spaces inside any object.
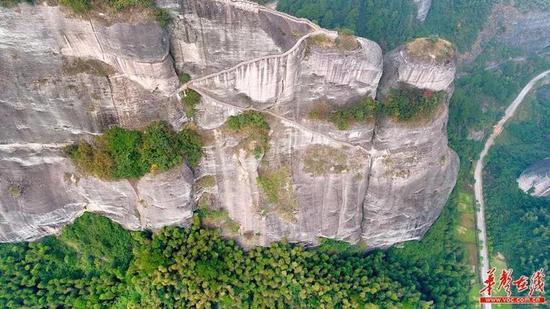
{"x":96,"y":262}
{"x":391,"y":23}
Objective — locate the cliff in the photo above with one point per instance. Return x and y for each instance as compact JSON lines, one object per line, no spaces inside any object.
{"x":67,"y":79}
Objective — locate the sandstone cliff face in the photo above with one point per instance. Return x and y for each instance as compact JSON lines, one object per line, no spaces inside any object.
{"x":64,"y":79}
{"x":68,"y":79}
{"x":536,"y":179}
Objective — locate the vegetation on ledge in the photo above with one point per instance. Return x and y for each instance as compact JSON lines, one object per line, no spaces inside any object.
{"x":114,"y":7}
{"x":255,"y":129}
{"x":407,"y":103}
{"x":190,"y":100}
{"x":344,"y":41}
{"x":402,"y":104}
{"x":431,"y":49}
{"x":277,"y":186}
{"x":120,"y":153}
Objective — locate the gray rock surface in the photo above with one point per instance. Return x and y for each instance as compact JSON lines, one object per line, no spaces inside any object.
{"x":423,"y":7}
{"x":40,"y":191}
{"x":65,"y":79}
{"x":527,"y":31}
{"x":432,"y":71}
{"x":68,"y":79}
{"x":535,"y":180}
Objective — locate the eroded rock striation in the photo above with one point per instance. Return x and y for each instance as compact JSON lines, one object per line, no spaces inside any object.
{"x":379,"y":182}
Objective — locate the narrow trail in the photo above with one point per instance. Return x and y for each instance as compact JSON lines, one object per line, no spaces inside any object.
{"x":247,"y":62}
{"x":478,"y":187}
{"x":289,"y":122}
{"x":314,"y":30}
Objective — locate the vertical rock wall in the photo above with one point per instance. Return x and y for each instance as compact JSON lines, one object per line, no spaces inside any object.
{"x":69,"y":78}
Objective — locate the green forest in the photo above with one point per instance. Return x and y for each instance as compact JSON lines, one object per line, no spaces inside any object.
{"x":97,"y":263}
{"x":391,"y":23}
{"x":519,"y":224}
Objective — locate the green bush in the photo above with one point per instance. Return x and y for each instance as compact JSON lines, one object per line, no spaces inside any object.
{"x":361,"y":111}
{"x":407,"y":103}
{"x":403,"y":103}
{"x":128,"y":154}
{"x":124,"y":146}
{"x":190,"y":100}
{"x":160,"y":147}
{"x":11,"y":3}
{"x":163,"y":17}
{"x":249,"y":120}
{"x":190,"y":143}
{"x":184,"y":78}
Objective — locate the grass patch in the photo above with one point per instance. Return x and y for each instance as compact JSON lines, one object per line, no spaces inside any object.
{"x":117,"y":9}
{"x":344,"y":41}
{"x":15,"y":191}
{"x":431,"y":49}
{"x":87,"y":66}
{"x":276,"y":185}
{"x":217,"y":218}
{"x":321,"y":160}
{"x":190,"y":100}
{"x":129,"y":154}
{"x":205,"y":182}
{"x":255,"y":129}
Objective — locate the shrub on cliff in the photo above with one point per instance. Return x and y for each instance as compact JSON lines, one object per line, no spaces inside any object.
{"x":403,"y":104}
{"x":120,"y":153}
{"x":113,"y":7}
{"x":255,"y":130}
{"x":361,"y":111}
{"x":190,"y":100}
{"x":407,"y":103}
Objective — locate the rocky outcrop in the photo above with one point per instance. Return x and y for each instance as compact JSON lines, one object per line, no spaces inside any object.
{"x":535,"y":180}
{"x":422,"y":63}
{"x":40,"y":191}
{"x":379,"y":182}
{"x":400,"y":176}
{"x":423,"y":8}
{"x":65,"y":79}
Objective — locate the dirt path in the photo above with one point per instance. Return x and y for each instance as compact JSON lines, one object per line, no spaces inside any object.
{"x":480,"y":213}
